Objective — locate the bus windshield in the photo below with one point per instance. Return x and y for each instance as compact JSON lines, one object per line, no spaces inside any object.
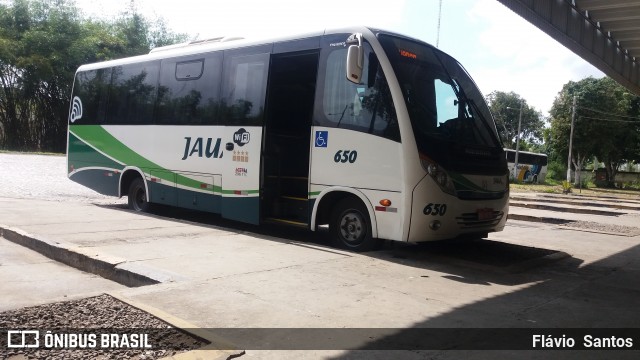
{"x":445,"y":106}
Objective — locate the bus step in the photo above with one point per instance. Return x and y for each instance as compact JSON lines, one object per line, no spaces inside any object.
{"x":285,"y":177}
{"x":295,"y":208}
{"x":287,"y":221}
{"x":294,"y":198}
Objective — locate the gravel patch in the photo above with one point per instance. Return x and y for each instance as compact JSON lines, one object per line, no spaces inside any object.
{"x":95,"y":315}
{"x":605,"y":228}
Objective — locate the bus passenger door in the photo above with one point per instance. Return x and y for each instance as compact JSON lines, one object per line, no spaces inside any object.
{"x":285,"y":181}
{"x":245,"y":74}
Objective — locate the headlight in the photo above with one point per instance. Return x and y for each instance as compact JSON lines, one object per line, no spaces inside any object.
{"x":438,"y":174}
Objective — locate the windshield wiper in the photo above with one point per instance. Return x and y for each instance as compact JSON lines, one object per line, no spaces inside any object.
{"x":342,"y":115}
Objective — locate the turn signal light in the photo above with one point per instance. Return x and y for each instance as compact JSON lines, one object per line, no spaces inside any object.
{"x":385,"y":202}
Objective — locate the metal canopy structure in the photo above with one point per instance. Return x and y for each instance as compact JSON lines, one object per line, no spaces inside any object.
{"x":606,"y":33}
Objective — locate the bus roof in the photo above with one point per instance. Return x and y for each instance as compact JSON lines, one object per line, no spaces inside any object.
{"x":216,"y":44}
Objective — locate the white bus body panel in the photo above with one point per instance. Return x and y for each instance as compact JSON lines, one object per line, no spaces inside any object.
{"x":460,"y":217}
{"x":375,"y":173}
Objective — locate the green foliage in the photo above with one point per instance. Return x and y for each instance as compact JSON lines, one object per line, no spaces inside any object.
{"x":633,"y":185}
{"x":552,"y":182}
{"x":556,"y":171}
{"x":598,"y":131}
{"x":505,"y":108}
{"x":42,"y":43}
{"x":566,"y":187}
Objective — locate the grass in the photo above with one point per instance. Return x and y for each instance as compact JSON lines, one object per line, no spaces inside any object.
{"x":31,"y":153}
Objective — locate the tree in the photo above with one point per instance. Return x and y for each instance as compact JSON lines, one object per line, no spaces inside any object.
{"x":606,"y":125}
{"x":138,"y":34}
{"x":505,"y":108}
{"x":42,"y":43}
{"x":35,"y":72}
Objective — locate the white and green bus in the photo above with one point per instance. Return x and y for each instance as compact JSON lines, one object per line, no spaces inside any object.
{"x":375,"y":134}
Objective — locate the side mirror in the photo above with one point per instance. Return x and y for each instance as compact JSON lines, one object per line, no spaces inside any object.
{"x":355,"y":59}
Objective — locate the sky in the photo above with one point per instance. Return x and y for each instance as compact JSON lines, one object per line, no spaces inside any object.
{"x":498,"y":48}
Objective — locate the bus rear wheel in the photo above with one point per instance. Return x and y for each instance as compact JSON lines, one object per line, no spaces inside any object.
{"x":138,"y":196}
{"x":350,"y":226}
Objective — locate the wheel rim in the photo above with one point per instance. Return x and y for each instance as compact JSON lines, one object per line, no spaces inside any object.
{"x":140,"y":199}
{"x":352,"y":227}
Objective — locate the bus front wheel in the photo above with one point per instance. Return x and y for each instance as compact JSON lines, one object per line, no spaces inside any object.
{"x":350,"y":226}
{"x":138,"y":196}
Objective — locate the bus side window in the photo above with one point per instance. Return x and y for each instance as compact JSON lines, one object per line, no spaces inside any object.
{"x":341,"y":101}
{"x":92,"y":88}
{"x":133,"y":93}
{"x":365,"y":107}
{"x":244,"y":88}
{"x":379,"y":114}
{"x":189,"y":92}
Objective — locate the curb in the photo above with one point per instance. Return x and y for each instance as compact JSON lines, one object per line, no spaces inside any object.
{"x":540,"y":219}
{"x":577,"y":202}
{"x":218,"y":348}
{"x":573,"y":210}
{"x":68,"y":255}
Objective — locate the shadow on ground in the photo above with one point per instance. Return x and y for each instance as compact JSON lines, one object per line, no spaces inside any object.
{"x":564,"y":295}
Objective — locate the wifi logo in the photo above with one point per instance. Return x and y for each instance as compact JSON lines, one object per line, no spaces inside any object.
{"x":76,"y":109}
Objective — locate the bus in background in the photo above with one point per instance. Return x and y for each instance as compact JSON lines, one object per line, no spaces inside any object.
{"x":532,"y":167}
{"x":377,"y":135}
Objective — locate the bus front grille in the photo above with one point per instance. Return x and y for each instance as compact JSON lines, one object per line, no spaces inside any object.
{"x":476,"y":220}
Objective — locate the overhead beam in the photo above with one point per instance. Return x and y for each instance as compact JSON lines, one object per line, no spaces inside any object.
{"x":602,"y":5}
{"x":616,"y":14}
{"x":627,"y":35}
{"x":570,"y":27}
{"x":623,"y":25}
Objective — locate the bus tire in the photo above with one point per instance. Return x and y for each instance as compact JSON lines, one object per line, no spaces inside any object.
{"x":138,"y":196}
{"x":350,"y":226}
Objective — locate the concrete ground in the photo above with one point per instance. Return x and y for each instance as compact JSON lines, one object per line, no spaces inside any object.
{"x":30,"y":278}
{"x":215,"y":274}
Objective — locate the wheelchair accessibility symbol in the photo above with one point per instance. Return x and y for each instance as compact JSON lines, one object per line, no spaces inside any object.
{"x":322,"y":138}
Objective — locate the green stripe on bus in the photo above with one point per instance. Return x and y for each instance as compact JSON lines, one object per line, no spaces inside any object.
{"x":82,"y":155}
{"x":101,"y":139}
{"x":462,"y":183}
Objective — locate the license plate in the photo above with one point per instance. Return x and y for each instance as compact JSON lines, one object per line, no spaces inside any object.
{"x":485,"y":214}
